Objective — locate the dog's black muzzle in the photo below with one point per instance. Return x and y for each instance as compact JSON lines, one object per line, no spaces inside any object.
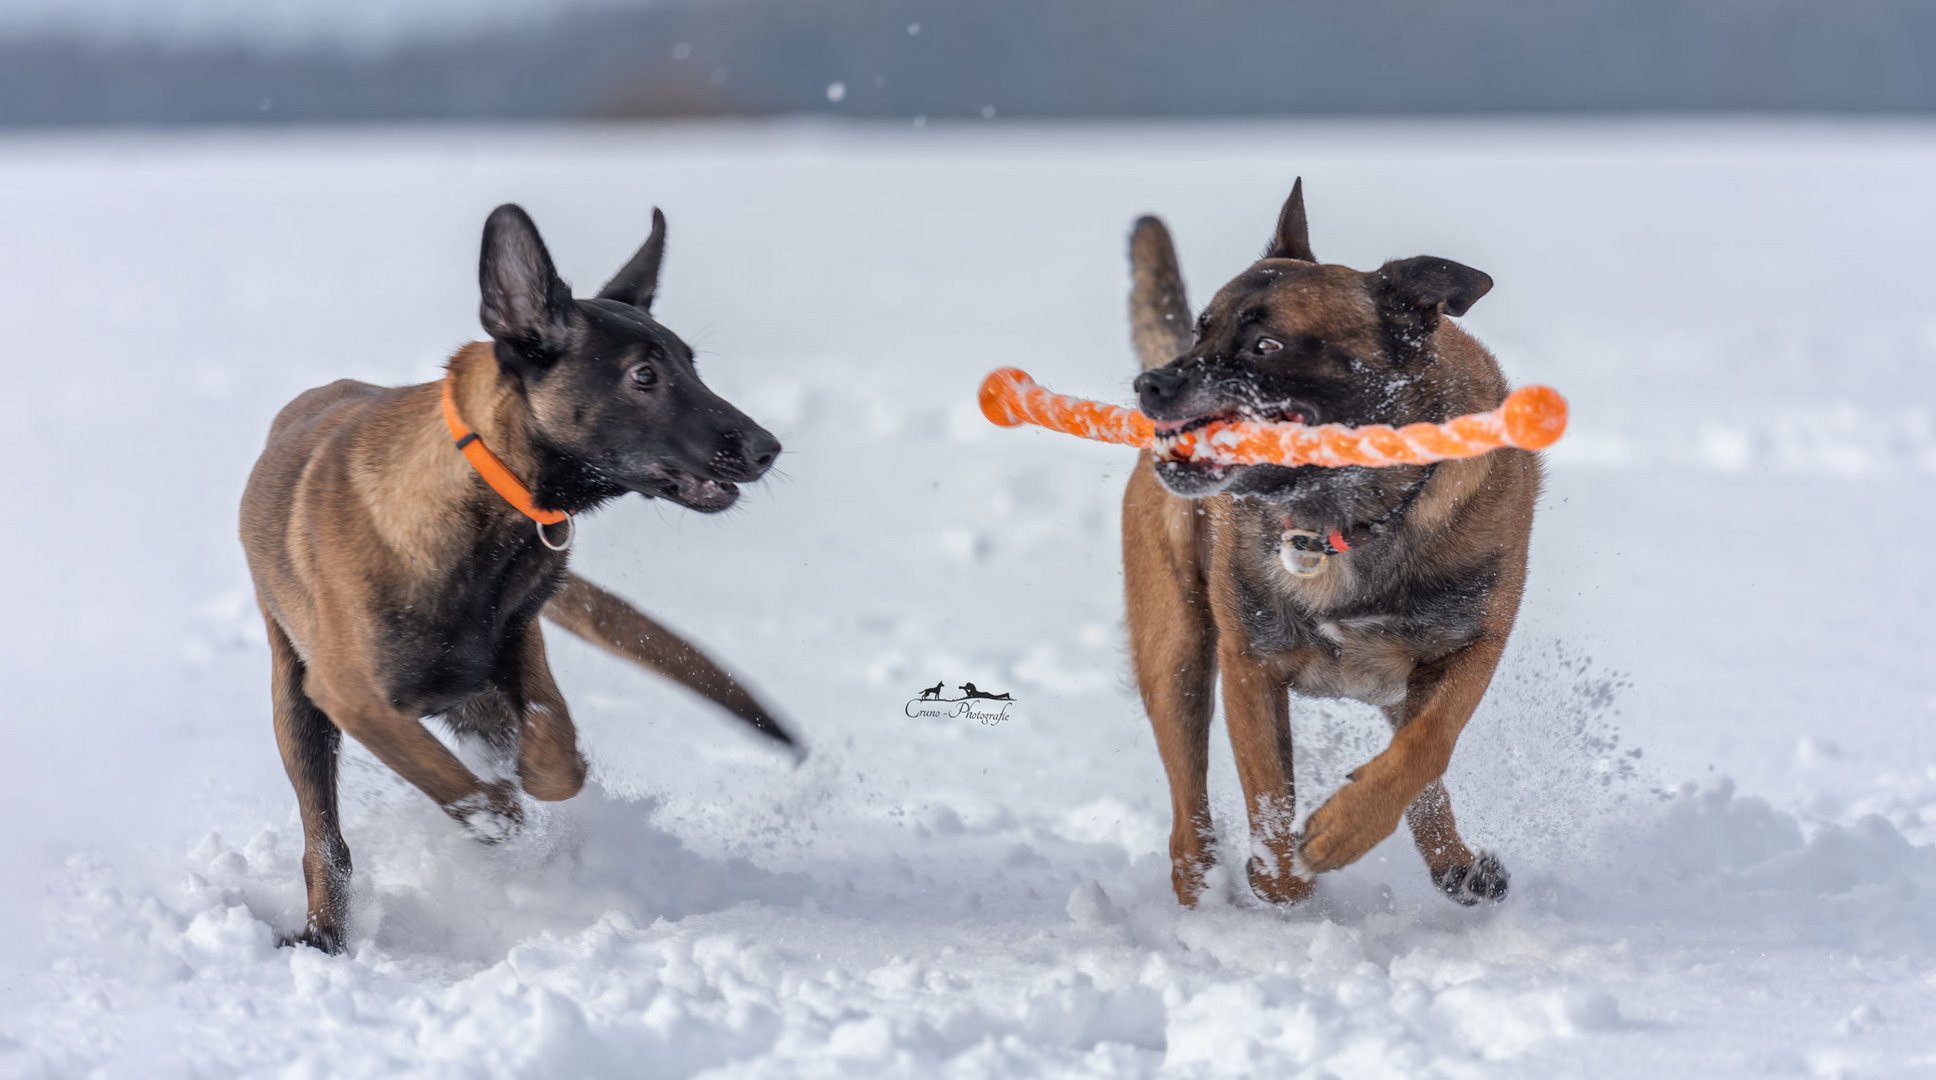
{"x":744,"y":454}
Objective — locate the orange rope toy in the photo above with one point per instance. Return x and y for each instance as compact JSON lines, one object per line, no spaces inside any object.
{"x":1532,"y":418}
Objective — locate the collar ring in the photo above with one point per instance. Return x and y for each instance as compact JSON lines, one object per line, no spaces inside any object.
{"x":571,"y":533}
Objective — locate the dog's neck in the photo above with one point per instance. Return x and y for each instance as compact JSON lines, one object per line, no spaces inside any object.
{"x":1405,"y":538}
{"x":488,"y":404}
{"x":1421,"y":510}
{"x":495,"y":407}
{"x":423,"y":496}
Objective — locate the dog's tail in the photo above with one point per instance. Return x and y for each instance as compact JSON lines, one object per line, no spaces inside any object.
{"x":623,"y":630}
{"x":1159,"y":312}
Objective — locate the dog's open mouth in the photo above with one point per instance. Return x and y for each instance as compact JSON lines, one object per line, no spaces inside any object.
{"x":1182,"y":452}
{"x":689,"y":491}
{"x":1171,"y":447}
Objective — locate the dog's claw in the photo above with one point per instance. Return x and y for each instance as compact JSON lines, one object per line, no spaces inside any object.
{"x":1468,"y":883}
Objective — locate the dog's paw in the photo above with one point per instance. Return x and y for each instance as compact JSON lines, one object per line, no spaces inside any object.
{"x":1485,"y":878}
{"x":553,"y":781}
{"x":1280,"y":884}
{"x":325,"y":939}
{"x":1187,"y":880}
{"x":1348,"y":825}
{"x":491,"y":816}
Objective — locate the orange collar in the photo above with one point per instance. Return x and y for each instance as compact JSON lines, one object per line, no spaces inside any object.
{"x":494,"y":471}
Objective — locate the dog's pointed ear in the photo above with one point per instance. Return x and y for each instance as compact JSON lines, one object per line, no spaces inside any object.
{"x":1412,"y":294}
{"x":1429,"y":282}
{"x":526,"y":309}
{"x":637,"y":283}
{"x":1293,"y":239}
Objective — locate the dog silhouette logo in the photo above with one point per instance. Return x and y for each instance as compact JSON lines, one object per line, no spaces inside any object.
{"x":987,"y":708}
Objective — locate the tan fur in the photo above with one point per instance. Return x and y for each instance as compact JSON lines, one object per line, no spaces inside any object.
{"x":352,"y":498}
{"x":355,"y":506}
{"x":1186,"y":625}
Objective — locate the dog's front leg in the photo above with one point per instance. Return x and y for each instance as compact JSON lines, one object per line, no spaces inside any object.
{"x":1462,"y":874}
{"x":1172,"y":645}
{"x":549,"y":764}
{"x":1256,"y":706}
{"x":398,"y":739}
{"x":1366,"y":810}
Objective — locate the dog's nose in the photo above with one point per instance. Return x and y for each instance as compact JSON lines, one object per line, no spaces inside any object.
{"x":756,"y":449}
{"x":1159,"y":387}
{"x":762,"y":449}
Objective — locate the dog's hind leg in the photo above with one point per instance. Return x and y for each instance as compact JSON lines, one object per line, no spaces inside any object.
{"x":623,"y":630}
{"x":309,"y":743}
{"x":1172,"y":645}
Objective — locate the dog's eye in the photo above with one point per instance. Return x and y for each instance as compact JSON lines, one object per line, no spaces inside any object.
{"x":1268,"y":345}
{"x":644,"y":377}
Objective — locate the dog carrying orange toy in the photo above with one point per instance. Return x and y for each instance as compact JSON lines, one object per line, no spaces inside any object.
{"x":1532,"y":418}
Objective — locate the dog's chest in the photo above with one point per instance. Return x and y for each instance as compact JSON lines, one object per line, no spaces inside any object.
{"x":457,"y":638}
{"x":1355,"y":632}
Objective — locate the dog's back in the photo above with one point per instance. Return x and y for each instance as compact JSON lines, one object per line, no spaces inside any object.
{"x":299,"y":486}
{"x":295,"y":436}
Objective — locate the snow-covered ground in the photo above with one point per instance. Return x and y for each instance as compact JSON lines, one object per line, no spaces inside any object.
{"x":1707,"y":759}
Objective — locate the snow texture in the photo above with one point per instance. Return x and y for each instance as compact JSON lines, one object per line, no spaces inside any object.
{"x":1706,"y":761}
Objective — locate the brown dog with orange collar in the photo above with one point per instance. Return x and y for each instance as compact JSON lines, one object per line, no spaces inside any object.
{"x":403,"y":542}
{"x":1394,"y":586}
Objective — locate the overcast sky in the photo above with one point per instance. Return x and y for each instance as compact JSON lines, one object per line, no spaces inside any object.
{"x":277,"y":61}
{"x":348,"y":23}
